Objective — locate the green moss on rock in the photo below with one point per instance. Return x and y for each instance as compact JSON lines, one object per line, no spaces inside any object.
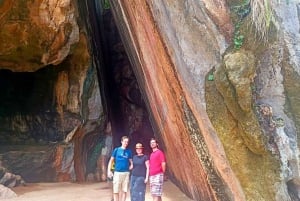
{"x":229,"y":106}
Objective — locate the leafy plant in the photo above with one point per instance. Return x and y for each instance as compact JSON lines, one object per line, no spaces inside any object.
{"x":262,"y":16}
{"x":241,"y":11}
{"x":211,"y":77}
{"x":238,"y":40}
{"x":106,"y":4}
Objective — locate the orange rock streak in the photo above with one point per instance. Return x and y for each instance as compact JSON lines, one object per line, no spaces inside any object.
{"x":165,"y":98}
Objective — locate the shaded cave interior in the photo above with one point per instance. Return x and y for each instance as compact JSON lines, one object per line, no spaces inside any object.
{"x":30,"y":122}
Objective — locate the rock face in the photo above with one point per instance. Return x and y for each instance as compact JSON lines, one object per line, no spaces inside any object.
{"x":218,"y":79}
{"x":50,"y":88}
{"x":6,"y":193}
{"x":35,"y":34}
{"x":239,"y":120}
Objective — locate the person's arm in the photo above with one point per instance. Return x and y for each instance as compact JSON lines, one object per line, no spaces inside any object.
{"x":147,"y":171}
{"x":163,"y":167}
{"x":163,"y":162}
{"x":130,"y":160}
{"x":109,"y":167}
{"x":130,"y":164}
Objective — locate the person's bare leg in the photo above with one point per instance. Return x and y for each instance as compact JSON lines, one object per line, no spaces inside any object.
{"x":157,"y":198}
{"x":116,"y":196}
{"x":123,"y":196}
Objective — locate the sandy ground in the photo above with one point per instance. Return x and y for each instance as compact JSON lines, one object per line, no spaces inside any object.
{"x":83,"y":192}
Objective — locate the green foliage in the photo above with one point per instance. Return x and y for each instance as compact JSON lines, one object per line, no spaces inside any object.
{"x":211,"y":77}
{"x":262,"y":18}
{"x":106,"y":4}
{"x":238,"y":40}
{"x":241,"y":11}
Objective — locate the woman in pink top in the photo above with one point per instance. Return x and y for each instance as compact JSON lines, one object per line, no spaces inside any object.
{"x":157,"y":168}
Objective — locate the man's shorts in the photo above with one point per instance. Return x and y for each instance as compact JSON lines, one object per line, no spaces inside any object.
{"x":120,"y":182}
{"x":156,"y":184}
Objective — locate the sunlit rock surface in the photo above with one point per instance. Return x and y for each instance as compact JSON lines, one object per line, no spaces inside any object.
{"x":219,"y":81}
{"x":175,"y":48}
{"x":36,"y":33}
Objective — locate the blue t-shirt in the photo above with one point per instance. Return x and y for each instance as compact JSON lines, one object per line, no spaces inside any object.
{"x":122,"y":157}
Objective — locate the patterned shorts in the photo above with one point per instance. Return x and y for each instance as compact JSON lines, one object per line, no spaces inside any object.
{"x":156,"y":184}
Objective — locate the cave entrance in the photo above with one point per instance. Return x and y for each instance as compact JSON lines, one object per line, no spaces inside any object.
{"x":29,"y":116}
{"x":125,"y":105}
{"x":33,"y":130}
{"x":27,"y":108}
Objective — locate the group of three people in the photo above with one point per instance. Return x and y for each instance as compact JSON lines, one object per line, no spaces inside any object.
{"x":142,"y":168}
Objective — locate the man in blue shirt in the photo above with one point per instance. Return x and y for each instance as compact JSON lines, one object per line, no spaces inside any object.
{"x":122,"y":158}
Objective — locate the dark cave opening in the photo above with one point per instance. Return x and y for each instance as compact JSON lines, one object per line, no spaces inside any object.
{"x":124,"y":103}
{"x":27,"y":107}
{"x":28,"y":102}
{"x":26,"y":92}
{"x":125,"y":96}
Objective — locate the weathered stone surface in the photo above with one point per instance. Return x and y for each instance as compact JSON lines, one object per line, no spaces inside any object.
{"x":193,"y":46}
{"x":9,"y":179}
{"x":234,"y":83}
{"x":36,"y":33}
{"x":32,"y":163}
{"x":177,"y":117}
{"x":238,"y":128}
{"x":6,"y":193}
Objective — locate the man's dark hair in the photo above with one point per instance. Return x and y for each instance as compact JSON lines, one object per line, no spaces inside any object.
{"x":154,"y":140}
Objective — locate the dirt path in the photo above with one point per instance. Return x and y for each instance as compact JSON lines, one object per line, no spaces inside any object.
{"x":83,"y":192}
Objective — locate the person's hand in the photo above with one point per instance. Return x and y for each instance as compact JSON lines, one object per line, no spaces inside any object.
{"x":110,"y":174}
{"x":131,"y":167}
{"x":146,"y":180}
